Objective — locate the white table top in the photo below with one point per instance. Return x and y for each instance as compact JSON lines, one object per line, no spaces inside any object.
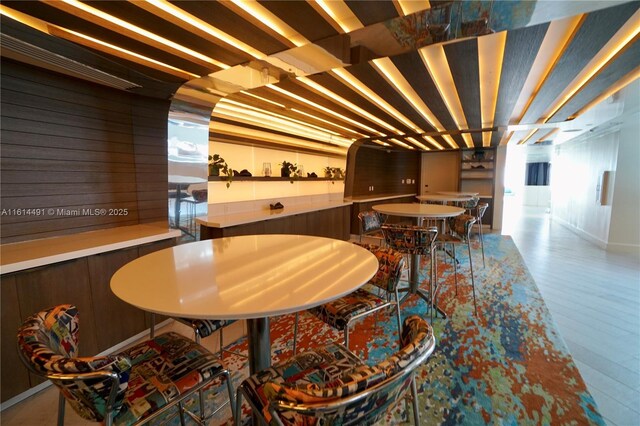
{"x":252,"y":276}
{"x":182,"y":180}
{"x":473,"y":194}
{"x":418,"y":210}
{"x":443,"y":197}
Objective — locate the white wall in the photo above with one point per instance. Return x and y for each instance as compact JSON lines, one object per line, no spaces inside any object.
{"x":624,"y":234}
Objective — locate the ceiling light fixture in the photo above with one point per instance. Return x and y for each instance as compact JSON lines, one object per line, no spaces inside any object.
{"x":262,"y":14}
{"x":340,"y":13}
{"x":627,"y":33}
{"x":179,"y":17}
{"x":435,"y":61}
{"x":314,"y":117}
{"x":94,"y":43}
{"x":418,"y":143}
{"x":617,"y":86}
{"x":412,"y":6}
{"x":245,"y":92}
{"x":400,"y":143}
{"x":325,"y":109}
{"x":490,"y":58}
{"x":113,"y":23}
{"x":347,"y":104}
{"x":433,"y":142}
{"x":348,"y":79}
{"x":388,"y":70}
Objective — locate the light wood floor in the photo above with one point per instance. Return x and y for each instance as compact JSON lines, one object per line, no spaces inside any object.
{"x":594,"y":298}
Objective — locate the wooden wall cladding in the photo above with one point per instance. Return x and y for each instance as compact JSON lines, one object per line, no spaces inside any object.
{"x":382,"y":169}
{"x":330,"y":223}
{"x":73,"y":147}
{"x":105,"y":320}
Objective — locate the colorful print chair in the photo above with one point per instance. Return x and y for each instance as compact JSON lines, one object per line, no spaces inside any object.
{"x":370,"y":225}
{"x":330,"y":385}
{"x":460,"y":234}
{"x":131,"y":387}
{"x":415,"y":241}
{"x":342,"y":312}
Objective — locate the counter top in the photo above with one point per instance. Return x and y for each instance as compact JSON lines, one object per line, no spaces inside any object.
{"x":31,"y":254}
{"x":367,"y":198}
{"x":227,"y":220}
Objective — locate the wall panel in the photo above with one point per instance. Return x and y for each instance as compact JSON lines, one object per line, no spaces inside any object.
{"x":69,"y":144}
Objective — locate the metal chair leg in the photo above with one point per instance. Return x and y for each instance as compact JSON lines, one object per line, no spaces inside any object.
{"x":455,"y":267}
{"x":482,"y":243}
{"x":295,"y":335}
{"x":152,"y":333}
{"x":414,"y":397}
{"x":473,"y":284}
{"x":61,"y":406}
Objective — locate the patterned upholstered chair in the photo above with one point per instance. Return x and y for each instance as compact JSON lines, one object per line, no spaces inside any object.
{"x":331,"y":385}
{"x":342,"y":312}
{"x":370,"y":224}
{"x":415,"y":241}
{"x":460,"y":234}
{"x":132,"y":387}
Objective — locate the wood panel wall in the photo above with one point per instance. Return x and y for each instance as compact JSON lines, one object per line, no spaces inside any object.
{"x":382,"y":169}
{"x":70,"y":146}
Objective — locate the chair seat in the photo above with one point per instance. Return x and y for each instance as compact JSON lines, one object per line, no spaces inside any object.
{"x":339,"y":312}
{"x":319,"y":366}
{"x":204,"y":327}
{"x":448,"y":238}
{"x":163,"y":369}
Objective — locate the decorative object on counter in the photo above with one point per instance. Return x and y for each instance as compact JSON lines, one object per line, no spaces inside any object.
{"x":245,"y":172}
{"x":276,"y":206}
{"x":328,"y":172}
{"x":312,"y":175}
{"x":333,"y":172}
{"x":289,"y":170}
{"x":217,"y":165}
{"x":266,"y":169}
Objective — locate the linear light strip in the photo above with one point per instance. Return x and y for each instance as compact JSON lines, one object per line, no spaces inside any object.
{"x":400,"y":143}
{"x":434,"y":142}
{"x":617,"y":86}
{"x":341,"y":14}
{"x":272,"y":21}
{"x":245,"y":92}
{"x":524,"y":140}
{"x":436,"y":63}
{"x":347,"y":104}
{"x":273,"y":123}
{"x":418,"y":144}
{"x":555,"y":41}
{"x":348,"y":79}
{"x":324,"y":109}
{"x":279,"y":116}
{"x":360,"y":135}
{"x":94,"y":43}
{"x":412,"y":6}
{"x":621,"y":38}
{"x":490,"y":59}
{"x":91,"y":14}
{"x":181,"y":16}
{"x":388,"y":70}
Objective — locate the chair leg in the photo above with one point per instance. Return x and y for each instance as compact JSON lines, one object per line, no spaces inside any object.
{"x":238,"y":408}
{"x":152,"y":332}
{"x":295,"y":334}
{"x":473,"y":284}
{"x":399,"y":318}
{"x":346,"y":336}
{"x":232,"y":402}
{"x":414,"y":397}
{"x":455,"y":267}
{"x":482,"y":243}
{"x":222,"y":351}
{"x":61,"y":406}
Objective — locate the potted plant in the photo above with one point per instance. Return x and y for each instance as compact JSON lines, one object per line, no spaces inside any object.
{"x":328,"y":172}
{"x":217,"y":165}
{"x":289,"y":170}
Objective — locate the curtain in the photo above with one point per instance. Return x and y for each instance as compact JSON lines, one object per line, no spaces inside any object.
{"x":537,"y":174}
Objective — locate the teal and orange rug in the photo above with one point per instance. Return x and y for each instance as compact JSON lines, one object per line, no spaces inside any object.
{"x":508,"y":365}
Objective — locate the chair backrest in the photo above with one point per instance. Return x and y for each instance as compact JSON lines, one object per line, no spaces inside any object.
{"x":482,"y":207}
{"x":470,"y":204}
{"x":461,"y":225}
{"x":48,"y":343}
{"x":369,"y":221}
{"x":390,"y":265}
{"x":410,"y":239}
{"x":361,"y":396}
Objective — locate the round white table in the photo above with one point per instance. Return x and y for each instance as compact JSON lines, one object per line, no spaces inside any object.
{"x":418,"y":212}
{"x":473,"y":194}
{"x":182,"y":182}
{"x":444,"y":198}
{"x":249,"y":277}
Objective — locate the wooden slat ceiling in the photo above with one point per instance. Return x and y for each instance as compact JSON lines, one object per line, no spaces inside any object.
{"x":537,"y":64}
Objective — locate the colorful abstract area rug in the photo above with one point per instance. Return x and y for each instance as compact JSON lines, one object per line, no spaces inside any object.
{"x":506,"y":365}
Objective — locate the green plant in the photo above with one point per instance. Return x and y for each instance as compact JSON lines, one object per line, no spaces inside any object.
{"x":217,"y":164}
{"x":289,"y":170}
{"x":333,"y":172}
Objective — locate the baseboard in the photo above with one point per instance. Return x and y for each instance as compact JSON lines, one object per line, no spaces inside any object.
{"x":34,"y":390}
{"x":581,"y":233}
{"x":633,"y":249}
